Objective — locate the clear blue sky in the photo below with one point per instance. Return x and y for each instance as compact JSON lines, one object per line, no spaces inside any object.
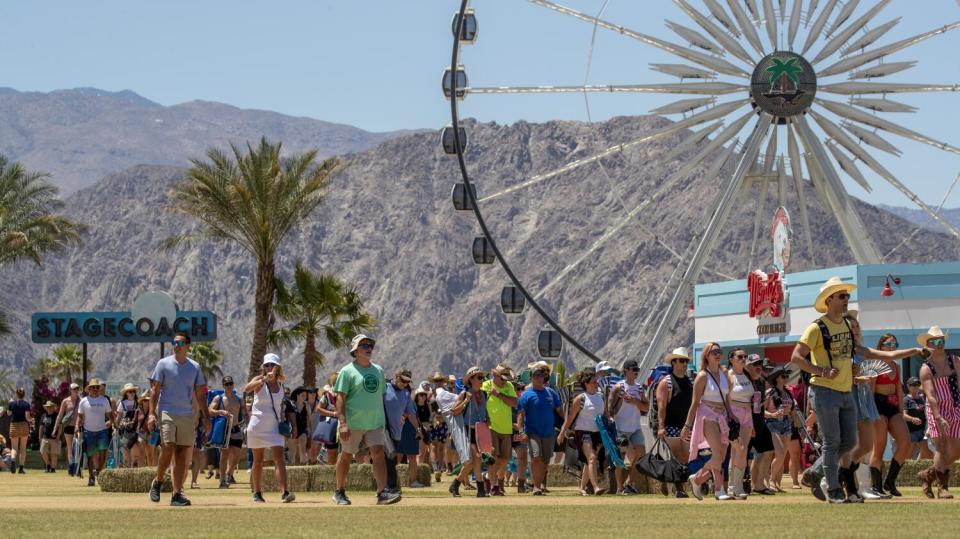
{"x":377,"y":64}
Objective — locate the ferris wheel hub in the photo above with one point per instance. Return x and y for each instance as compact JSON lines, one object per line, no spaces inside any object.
{"x":783,"y":85}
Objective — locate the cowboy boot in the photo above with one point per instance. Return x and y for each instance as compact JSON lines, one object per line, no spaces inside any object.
{"x":890,"y":483}
{"x":926,"y":478}
{"x":944,"y":479}
{"x":876,"y":480}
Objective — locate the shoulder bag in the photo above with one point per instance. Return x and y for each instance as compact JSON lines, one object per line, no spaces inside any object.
{"x":284,"y":426}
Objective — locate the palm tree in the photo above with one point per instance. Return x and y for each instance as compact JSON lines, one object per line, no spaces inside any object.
{"x":28,"y":228}
{"x":6,"y":383}
{"x":4,"y":324}
{"x":320,"y":306}
{"x":209,"y":359}
{"x":255,"y":200}
{"x":65,"y":362}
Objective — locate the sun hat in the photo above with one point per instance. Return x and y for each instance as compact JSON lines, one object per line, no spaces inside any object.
{"x":403,"y":375}
{"x":829,"y":288}
{"x":145,"y":396}
{"x":271,"y":359}
{"x":438,"y":377}
{"x":451,"y":379}
{"x":935,"y":332}
{"x":355,"y":343}
{"x":421,"y":390}
{"x":94,"y":382}
{"x":604,"y":366}
{"x":504,"y":372}
{"x":541,"y":365}
{"x":473,"y":371}
{"x":128,"y":387}
{"x":775,"y":373}
{"x":49,"y":404}
{"x":677,"y":353}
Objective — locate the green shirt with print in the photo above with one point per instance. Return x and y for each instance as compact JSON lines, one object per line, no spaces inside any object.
{"x":501,"y":413}
{"x":363,"y":388}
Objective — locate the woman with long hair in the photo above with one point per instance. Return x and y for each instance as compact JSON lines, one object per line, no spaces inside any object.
{"x":867,"y":414}
{"x":706,"y":425}
{"x":475,"y":412}
{"x":888,"y":396}
{"x":741,"y":406}
{"x":20,"y":420}
{"x":778,"y":416}
{"x":145,"y":451}
{"x":671,"y":400}
{"x":313,"y":418}
{"x":583,"y":417}
{"x":127,"y":423}
{"x":263,"y":431}
{"x":327,"y":407}
{"x":65,"y":424}
{"x":939,"y":379}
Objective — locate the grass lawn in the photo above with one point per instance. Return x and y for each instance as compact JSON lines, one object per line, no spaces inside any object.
{"x":39,"y":504}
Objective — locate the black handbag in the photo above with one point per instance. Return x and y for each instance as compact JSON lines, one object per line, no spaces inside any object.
{"x":733,"y":426}
{"x":661,"y":465}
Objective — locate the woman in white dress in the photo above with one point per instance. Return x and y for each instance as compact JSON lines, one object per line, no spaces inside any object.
{"x":263,"y":431}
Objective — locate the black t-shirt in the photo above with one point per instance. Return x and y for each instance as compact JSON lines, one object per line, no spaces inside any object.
{"x":423,"y":414}
{"x":19,"y":409}
{"x":47,"y":424}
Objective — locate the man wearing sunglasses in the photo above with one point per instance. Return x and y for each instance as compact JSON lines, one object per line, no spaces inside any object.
{"x":360,"y":389}
{"x":829,"y":343}
{"x":178,"y":392}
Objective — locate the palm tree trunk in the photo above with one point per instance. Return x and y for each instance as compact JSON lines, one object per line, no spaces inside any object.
{"x":310,"y":360}
{"x":262,"y":315}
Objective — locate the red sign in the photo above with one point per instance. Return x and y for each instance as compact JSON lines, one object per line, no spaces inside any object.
{"x":766,"y":294}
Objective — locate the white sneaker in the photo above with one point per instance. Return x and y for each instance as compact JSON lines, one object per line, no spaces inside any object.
{"x":870,"y":494}
{"x":695,"y":488}
{"x":722,"y":496}
{"x":737,"y":492}
{"x":417,"y":484}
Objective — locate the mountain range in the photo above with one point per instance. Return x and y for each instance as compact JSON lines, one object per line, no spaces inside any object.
{"x":388,"y":227}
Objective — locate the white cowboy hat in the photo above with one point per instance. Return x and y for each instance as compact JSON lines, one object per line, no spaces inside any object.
{"x":677,"y":353}
{"x":934,"y":333}
{"x":829,"y":288}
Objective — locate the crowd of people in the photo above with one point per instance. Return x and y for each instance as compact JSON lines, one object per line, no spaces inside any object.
{"x":737,"y":425}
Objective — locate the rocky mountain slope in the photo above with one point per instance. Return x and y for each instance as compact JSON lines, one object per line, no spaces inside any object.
{"x":920,"y":217}
{"x":83,"y":134}
{"x":389,"y":227}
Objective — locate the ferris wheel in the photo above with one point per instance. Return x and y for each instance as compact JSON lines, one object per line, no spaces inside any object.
{"x":805,"y":83}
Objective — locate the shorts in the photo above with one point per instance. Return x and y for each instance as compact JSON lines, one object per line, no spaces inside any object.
{"x":916,"y":436}
{"x":236,"y":437}
{"x":582,"y":436}
{"x":673,"y":431}
{"x":762,"y":441}
{"x":94,"y":442}
{"x":438,"y":433}
{"x":130,"y":439}
{"x":69,"y":430}
{"x":178,"y":430}
{"x":627,"y":439}
{"x":502,"y":444}
{"x":200,"y":439}
{"x":782,"y":427}
{"x":20,"y":429}
{"x":541,"y":447}
{"x":885,"y":407}
{"x":369,"y":438}
{"x":515,"y":441}
{"x":49,"y":447}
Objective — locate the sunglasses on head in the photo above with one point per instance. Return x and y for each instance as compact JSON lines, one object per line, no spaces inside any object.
{"x":939,"y":341}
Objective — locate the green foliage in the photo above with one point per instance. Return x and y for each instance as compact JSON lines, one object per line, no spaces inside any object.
{"x":209,"y":359}
{"x":28,"y":228}
{"x":65,"y":363}
{"x":781,"y":68}
{"x":7,"y":383}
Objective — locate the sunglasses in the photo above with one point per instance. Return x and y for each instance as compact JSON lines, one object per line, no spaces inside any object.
{"x":939,"y":341}
{"x":716,"y":352}
{"x":179,"y":344}
{"x":366,"y":346}
{"x":842,"y":295}
{"x":891,"y":344}
{"x":684,"y":361}
{"x":741,"y":356}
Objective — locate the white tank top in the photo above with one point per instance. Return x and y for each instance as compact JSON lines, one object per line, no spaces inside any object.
{"x":592,"y":407}
{"x":712,"y":393}
{"x":742,"y":390}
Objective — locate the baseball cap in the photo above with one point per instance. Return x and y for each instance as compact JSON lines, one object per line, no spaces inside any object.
{"x":754,"y":358}
{"x":74,"y":385}
{"x":913,"y":381}
{"x":271,"y":359}
{"x":227,"y":380}
{"x":404,"y":375}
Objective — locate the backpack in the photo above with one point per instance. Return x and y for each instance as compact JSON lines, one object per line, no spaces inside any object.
{"x":825,"y":336}
{"x":658,"y":374}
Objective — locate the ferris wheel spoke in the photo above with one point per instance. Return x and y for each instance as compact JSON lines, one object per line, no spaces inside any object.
{"x":793,"y":150}
{"x":696,"y":119}
{"x":936,"y":214}
{"x":746,"y":26}
{"x":818,"y":25}
{"x":862,"y":88}
{"x":850,"y":113}
{"x":695,"y":38}
{"x":834,"y":131}
{"x":770,"y":21}
{"x":882,"y":105}
{"x":666,"y":187}
{"x":762,"y":185}
{"x":843,"y":16}
{"x":882,"y":70}
{"x":721,"y":15}
{"x":731,"y":45}
{"x":684,"y":106}
{"x":794,"y":22}
{"x":684,"y":71}
{"x":716,"y":64}
{"x":837,"y":198}
{"x":871,"y":138}
{"x":688,"y":143}
{"x":700,"y":88}
{"x":842,"y":37}
{"x":847,"y":165}
{"x":870,"y":37}
{"x":852,"y":62}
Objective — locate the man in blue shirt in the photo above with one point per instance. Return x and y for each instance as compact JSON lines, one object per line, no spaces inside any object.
{"x":178,"y":393}
{"x":536,"y":409}
{"x":399,"y":409}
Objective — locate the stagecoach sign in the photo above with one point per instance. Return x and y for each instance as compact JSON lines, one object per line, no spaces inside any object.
{"x":769,"y":298}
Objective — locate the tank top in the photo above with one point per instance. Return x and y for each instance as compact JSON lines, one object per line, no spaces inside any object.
{"x":679,"y":405}
{"x":261,"y":407}
{"x":592,"y":406}
{"x":742,"y":390}
{"x":712,"y":393}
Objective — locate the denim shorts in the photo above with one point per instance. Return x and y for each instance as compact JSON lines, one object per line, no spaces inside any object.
{"x":916,"y":436}
{"x":779,"y":426}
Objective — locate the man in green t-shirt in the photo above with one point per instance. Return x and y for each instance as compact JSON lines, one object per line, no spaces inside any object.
{"x":359,"y":388}
{"x":501,"y":400}
{"x":831,"y":384}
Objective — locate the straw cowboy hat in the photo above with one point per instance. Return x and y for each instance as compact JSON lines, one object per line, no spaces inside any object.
{"x":540,"y":365}
{"x":129,"y":387}
{"x":504,"y":372}
{"x":145,"y":396}
{"x":829,"y":288}
{"x":49,"y":404}
{"x":94,"y":382}
{"x":935,"y":332}
{"x":678,"y":353}
{"x":438,"y":377}
{"x":474,"y":371}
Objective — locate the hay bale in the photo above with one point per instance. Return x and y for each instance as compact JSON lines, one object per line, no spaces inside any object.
{"x":131,"y":480}
{"x":361,"y":478}
{"x":298,"y":479}
{"x":908,"y":474}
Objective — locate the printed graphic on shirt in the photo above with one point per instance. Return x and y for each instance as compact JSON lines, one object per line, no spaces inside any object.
{"x":371,"y":382}
{"x":841,"y":345}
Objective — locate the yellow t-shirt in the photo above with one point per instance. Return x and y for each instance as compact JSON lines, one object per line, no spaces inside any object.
{"x":841,"y":348}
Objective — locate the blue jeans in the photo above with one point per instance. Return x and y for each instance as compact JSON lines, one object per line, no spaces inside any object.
{"x":837,"y":421}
